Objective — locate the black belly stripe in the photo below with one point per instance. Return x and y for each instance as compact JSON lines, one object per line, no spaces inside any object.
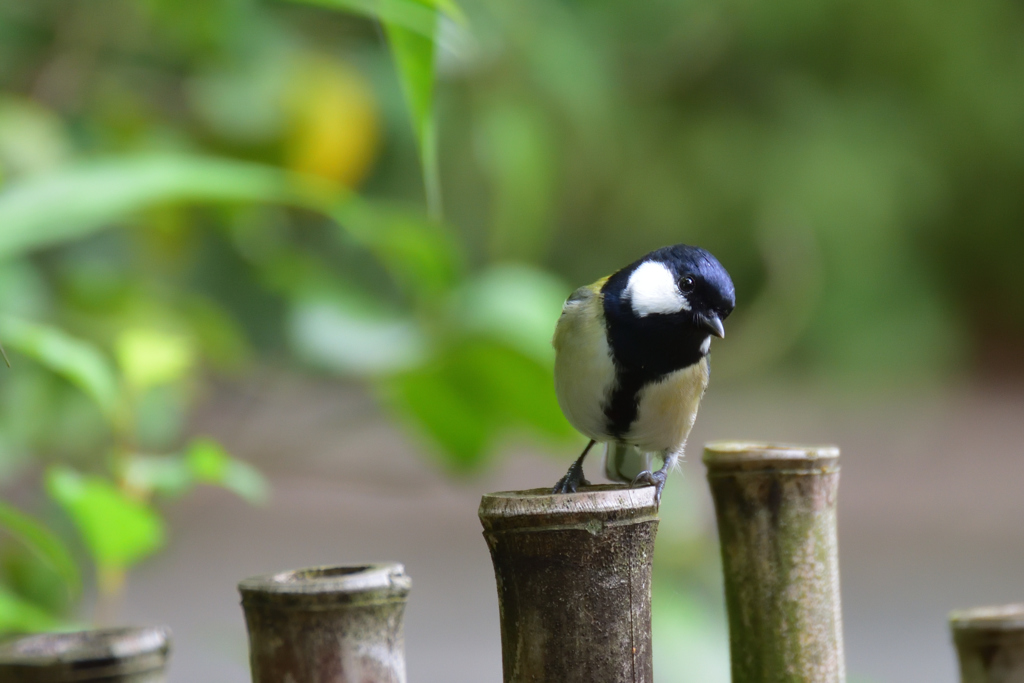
{"x":624,"y":404}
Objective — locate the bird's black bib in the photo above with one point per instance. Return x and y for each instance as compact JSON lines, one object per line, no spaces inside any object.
{"x":644,"y":350}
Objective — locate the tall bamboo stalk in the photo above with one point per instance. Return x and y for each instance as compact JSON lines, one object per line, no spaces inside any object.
{"x":115,"y":655}
{"x":574,"y":583}
{"x":327,"y":624}
{"x":990,"y":643}
{"x":776,"y":511}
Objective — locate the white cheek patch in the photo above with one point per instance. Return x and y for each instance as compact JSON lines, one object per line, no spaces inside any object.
{"x":705,"y":345}
{"x":652,"y":289}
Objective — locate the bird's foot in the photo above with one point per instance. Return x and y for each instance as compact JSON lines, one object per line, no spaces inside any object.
{"x":656,"y":479}
{"x":572,"y":480}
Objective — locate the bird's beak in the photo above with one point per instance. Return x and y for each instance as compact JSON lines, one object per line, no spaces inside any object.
{"x":714,"y":324}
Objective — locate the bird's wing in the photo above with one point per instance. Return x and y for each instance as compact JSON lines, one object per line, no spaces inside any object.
{"x":571,"y":308}
{"x":584,"y":371}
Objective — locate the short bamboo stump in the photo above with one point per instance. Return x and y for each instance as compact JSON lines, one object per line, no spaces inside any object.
{"x":574,"y":582}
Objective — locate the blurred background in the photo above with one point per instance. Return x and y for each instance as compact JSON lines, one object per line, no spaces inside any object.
{"x":278,"y":279}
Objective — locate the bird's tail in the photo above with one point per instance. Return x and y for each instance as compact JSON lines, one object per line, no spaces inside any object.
{"x":623,"y":462}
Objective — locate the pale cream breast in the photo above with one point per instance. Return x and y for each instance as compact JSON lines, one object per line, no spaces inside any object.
{"x":667,"y":409}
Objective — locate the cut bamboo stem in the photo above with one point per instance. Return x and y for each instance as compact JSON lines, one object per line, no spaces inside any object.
{"x":990,"y":643}
{"x":574,"y":583}
{"x":776,"y":511}
{"x":115,"y":655}
{"x":327,"y":624}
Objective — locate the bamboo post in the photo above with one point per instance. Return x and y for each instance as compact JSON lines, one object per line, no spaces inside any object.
{"x":327,"y":624}
{"x":776,"y":512}
{"x":574,"y":583}
{"x":990,"y":644}
{"x":115,"y":655}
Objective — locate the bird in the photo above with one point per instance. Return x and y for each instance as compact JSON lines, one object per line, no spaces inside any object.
{"x":631,"y":360}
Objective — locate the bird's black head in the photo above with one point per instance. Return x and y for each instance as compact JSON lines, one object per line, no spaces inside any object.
{"x":685,"y":283}
{"x":664,"y":307}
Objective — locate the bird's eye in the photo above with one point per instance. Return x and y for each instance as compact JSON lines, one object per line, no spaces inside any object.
{"x":687,"y":284}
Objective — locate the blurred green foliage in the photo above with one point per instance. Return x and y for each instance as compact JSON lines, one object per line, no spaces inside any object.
{"x":854,"y":164}
{"x":366,"y":288}
{"x":188,"y":187}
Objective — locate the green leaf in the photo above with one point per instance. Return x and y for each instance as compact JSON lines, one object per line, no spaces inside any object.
{"x":150,"y":358}
{"x":118,"y":530}
{"x":414,"y":59}
{"x":447,"y":7}
{"x":168,"y":475}
{"x":474,"y":392}
{"x":18,"y":615}
{"x":437,"y":408}
{"x":45,"y":210}
{"x":411,"y":27}
{"x":518,"y":390}
{"x":28,"y":576}
{"x":423,"y":257}
{"x":79,"y":362}
{"x":347,"y":338}
{"x":412,"y":15}
{"x":210,"y":463}
{"x":419,"y":16}
{"x":77,"y":201}
{"x":517,"y":305}
{"x":204,"y":461}
{"x":43,"y":544}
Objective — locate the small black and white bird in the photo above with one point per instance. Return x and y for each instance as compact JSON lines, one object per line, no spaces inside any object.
{"x":631,"y":359}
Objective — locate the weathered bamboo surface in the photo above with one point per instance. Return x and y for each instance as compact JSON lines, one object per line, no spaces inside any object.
{"x":574,"y":583}
{"x":776,"y":512}
{"x":116,"y":655}
{"x":990,"y":643}
{"x":327,"y":624}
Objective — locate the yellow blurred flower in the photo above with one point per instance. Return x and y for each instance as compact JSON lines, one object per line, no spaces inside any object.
{"x":334,"y":129}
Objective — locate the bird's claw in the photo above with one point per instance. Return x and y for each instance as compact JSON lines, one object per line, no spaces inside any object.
{"x":656,"y":479}
{"x":572,"y":480}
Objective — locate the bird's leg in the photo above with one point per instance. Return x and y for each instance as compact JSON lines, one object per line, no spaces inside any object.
{"x":657,"y":479}
{"x":574,"y":477}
